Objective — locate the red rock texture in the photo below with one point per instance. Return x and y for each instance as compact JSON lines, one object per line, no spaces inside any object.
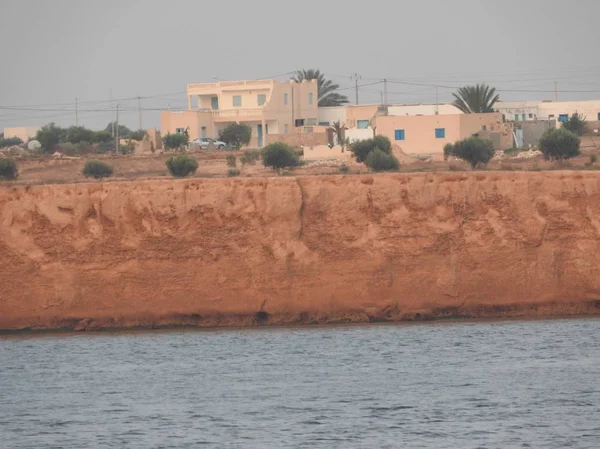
{"x":221,"y":252}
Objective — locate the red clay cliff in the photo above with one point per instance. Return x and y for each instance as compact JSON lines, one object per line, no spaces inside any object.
{"x":219,"y":252}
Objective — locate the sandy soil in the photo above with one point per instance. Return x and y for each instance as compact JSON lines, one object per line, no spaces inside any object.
{"x":303,"y":249}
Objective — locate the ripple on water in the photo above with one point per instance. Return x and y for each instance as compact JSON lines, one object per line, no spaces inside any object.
{"x":467,"y":385}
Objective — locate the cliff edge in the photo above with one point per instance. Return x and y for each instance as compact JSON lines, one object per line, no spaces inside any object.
{"x":218,"y":252}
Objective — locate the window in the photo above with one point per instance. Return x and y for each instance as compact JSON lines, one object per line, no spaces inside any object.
{"x":285,"y":99}
{"x":299,"y":122}
{"x":524,"y":117}
{"x":598,"y":116}
{"x":516,"y":117}
{"x":308,"y":129}
{"x":362,"y":124}
{"x":286,"y":128}
{"x":551,"y":116}
{"x":530,"y":115}
{"x":237,"y":101}
{"x":563,"y":118}
{"x":262,"y":99}
{"x":179,"y":130}
{"x":399,"y":134}
{"x":440,"y":133}
{"x":323,"y":123}
{"x":484,"y":128}
{"x":203,"y":131}
{"x":310,"y":98}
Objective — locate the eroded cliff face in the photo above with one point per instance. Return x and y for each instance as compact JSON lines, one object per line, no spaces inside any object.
{"x":299,"y":250}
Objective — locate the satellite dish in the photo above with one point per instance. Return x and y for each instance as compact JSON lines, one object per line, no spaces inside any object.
{"x":33,"y":145}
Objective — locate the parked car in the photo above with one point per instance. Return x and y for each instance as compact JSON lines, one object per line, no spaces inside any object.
{"x":205,"y":142}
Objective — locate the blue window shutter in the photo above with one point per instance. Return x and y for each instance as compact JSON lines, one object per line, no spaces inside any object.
{"x":563,"y":118}
{"x":399,"y":134}
{"x":440,"y":133}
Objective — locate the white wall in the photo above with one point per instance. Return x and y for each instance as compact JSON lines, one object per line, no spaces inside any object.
{"x":333,"y":114}
{"x":359,"y":134}
{"x":423,"y":109}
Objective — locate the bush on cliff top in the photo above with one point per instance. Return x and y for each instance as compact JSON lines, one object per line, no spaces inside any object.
{"x":378,"y":160}
{"x":97,"y":169}
{"x":8,"y":169}
{"x":182,"y":166}
{"x":279,"y":155}
{"x":559,"y":144}
{"x":473,"y":150}
{"x":362,"y":148}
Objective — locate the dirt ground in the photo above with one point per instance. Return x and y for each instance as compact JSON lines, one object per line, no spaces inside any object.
{"x":213,"y":164}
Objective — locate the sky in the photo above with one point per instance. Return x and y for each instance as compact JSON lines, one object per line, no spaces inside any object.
{"x":54,"y":51}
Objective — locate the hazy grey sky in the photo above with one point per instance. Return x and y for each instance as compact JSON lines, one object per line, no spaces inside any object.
{"x":56,"y":50}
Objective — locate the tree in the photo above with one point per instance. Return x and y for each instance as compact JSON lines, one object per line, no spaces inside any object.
{"x":576,"y":124}
{"x":361,"y":148}
{"x":102,"y":137}
{"x":279,"y":155}
{"x":182,"y":166}
{"x":340,"y":133}
{"x":236,"y":134}
{"x":175,"y":141}
{"x":49,"y":136}
{"x":475,"y":99}
{"x":559,"y":144}
{"x":138,"y":135}
{"x":474,"y":150}
{"x":379,"y":160}
{"x":78,"y":134}
{"x":97,"y":169}
{"x":124,"y":132}
{"x":8,"y":169}
{"x":9,"y":142}
{"x":326,"y":88}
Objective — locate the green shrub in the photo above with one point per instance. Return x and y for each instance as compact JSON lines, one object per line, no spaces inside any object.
{"x":9,"y":142}
{"x":279,"y":155}
{"x":344,"y":168}
{"x":236,"y":134}
{"x":250,"y":157}
{"x":232,"y":172}
{"x":72,"y":149}
{"x":473,"y":150}
{"x":182,"y":166}
{"x":379,"y":160}
{"x":576,"y":124}
{"x":97,"y":169}
{"x":8,"y":169}
{"x":231,"y":160}
{"x":593,"y":159}
{"x":383,"y":143}
{"x":559,"y":144}
{"x":175,"y":141}
{"x":361,"y":148}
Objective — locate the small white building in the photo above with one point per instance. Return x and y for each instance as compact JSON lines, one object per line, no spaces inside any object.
{"x":518,"y":111}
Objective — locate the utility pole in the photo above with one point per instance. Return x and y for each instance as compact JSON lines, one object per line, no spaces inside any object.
{"x":140,"y":112}
{"x":356,"y":77}
{"x":117,"y":132}
{"x":555,"y":91}
{"x":381,"y":94}
{"x":385,"y":92}
{"x":76,"y":111}
{"x":112,"y":122}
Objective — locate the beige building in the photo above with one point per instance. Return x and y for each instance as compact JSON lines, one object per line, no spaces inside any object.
{"x":518,"y":111}
{"x":267,"y":106}
{"x":428,"y":134}
{"x":25,"y":133}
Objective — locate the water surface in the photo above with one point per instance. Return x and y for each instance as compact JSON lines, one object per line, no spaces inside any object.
{"x":460,"y":385}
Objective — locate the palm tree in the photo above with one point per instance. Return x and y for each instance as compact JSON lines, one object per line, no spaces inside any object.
{"x":476,"y":99}
{"x":340,"y":131}
{"x":326,"y":88}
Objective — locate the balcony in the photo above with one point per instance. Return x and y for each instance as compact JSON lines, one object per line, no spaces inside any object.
{"x":237,"y":114}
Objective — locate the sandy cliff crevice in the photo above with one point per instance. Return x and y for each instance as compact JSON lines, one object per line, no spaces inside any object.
{"x":218,"y":252}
